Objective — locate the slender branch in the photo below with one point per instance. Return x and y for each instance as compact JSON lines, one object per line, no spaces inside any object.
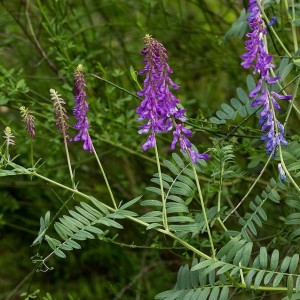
{"x":251,"y":188}
{"x":37,"y":43}
{"x":204,"y":212}
{"x":286,"y":170}
{"x":105,"y":178}
{"x":291,"y":19}
{"x":116,"y":86}
{"x":163,"y":197}
{"x":273,"y":30}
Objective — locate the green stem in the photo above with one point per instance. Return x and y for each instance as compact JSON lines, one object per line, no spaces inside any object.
{"x":116,"y":86}
{"x":22,"y":282}
{"x":7,"y":151}
{"x":284,"y":92}
{"x":105,"y":178}
{"x":31,"y":152}
{"x":204,"y":212}
{"x":222,"y":224}
{"x":251,"y":188}
{"x":36,"y":41}
{"x":292,"y":102}
{"x":264,"y":288}
{"x":129,"y":150}
{"x":163,"y":198}
{"x":291,"y":19}
{"x":286,"y":170}
{"x":280,"y":150}
{"x":68,"y":159}
{"x":220,"y":187}
{"x":273,"y":30}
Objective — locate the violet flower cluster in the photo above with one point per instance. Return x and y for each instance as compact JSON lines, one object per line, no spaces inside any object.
{"x":258,"y":58}
{"x":80,"y":110}
{"x":159,"y":107}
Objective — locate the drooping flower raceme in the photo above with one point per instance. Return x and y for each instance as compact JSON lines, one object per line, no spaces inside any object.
{"x":159,"y":107}
{"x":80,"y":110}
{"x":258,"y":58}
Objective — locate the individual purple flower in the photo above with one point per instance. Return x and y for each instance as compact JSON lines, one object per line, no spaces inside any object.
{"x":80,"y":110}
{"x":159,"y":107}
{"x":272,"y":21}
{"x":258,"y":58}
{"x":282,"y":175}
{"x":180,"y":135}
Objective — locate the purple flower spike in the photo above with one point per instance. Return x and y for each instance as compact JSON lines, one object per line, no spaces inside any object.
{"x":159,"y":107}
{"x":80,"y":109}
{"x":258,"y":58}
{"x":159,"y":104}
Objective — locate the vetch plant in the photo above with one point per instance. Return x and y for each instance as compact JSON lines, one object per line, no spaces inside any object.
{"x":238,"y":243}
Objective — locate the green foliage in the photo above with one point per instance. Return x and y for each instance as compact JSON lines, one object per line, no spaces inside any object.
{"x":196,"y":283}
{"x":81,"y":224}
{"x":179,"y":190}
{"x":240,"y":106}
{"x":250,"y":220}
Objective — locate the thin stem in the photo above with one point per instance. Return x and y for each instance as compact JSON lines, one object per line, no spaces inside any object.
{"x":241,"y":273}
{"x":14,"y":291}
{"x":220,"y":186}
{"x":251,"y":188}
{"x":163,"y":198}
{"x":36,"y":41}
{"x":292,"y":102}
{"x":280,"y":151}
{"x":129,"y":150}
{"x":264,"y":288}
{"x":286,"y":170}
{"x":294,"y":32}
{"x":273,"y":30}
{"x":65,"y":135}
{"x":284,"y":92}
{"x":105,"y":178}
{"x":116,"y":86}
{"x":291,"y":19}
{"x":31,"y":152}
{"x":204,"y":212}
{"x":222,"y":224}
{"x":68,"y":159}
{"x":7,"y":151}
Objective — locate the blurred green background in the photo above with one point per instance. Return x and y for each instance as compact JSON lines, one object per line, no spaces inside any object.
{"x":42,"y":42}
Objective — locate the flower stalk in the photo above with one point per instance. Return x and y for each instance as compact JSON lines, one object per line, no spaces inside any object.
{"x":61,"y":123}
{"x":263,"y":95}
